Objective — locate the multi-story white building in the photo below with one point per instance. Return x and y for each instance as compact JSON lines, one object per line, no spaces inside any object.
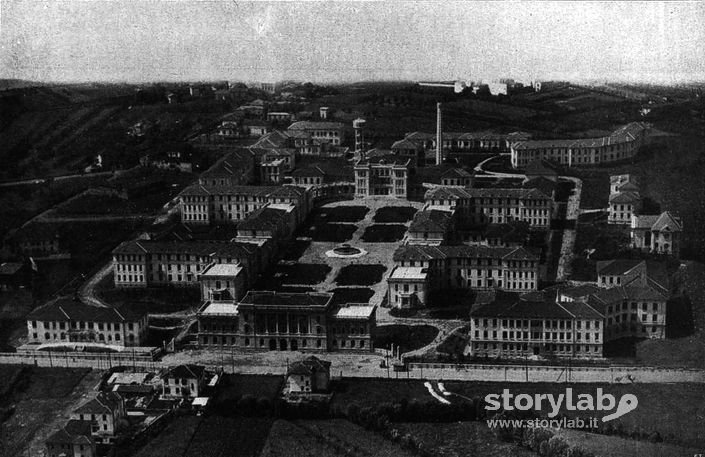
{"x":201,"y":204}
{"x":142,"y":263}
{"x":323,"y":131}
{"x":624,"y":200}
{"x":475,"y":267}
{"x":524,"y":328}
{"x":621,"y":144}
{"x":65,"y":320}
{"x":105,"y":412}
{"x":408,"y":287}
{"x":385,"y":175}
{"x":495,"y":206}
{"x":184,"y":381}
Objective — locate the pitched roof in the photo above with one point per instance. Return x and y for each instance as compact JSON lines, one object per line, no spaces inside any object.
{"x":308,"y":366}
{"x":65,"y":309}
{"x":264,"y":219}
{"x":103,"y":403}
{"x":666,"y":221}
{"x":355,"y":311}
{"x":197,"y":248}
{"x":405,"y":144}
{"x":625,"y":197}
{"x":273,"y":139}
{"x":187,"y":371}
{"x":315,"y":125}
{"x":622,"y":134}
{"x":73,"y":432}
{"x":617,"y":267}
{"x":431,"y":221}
{"x":522,"y":309}
{"x":10,"y":268}
{"x":416,"y":252}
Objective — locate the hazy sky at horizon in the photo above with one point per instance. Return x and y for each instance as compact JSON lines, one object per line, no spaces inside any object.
{"x":135,"y":40}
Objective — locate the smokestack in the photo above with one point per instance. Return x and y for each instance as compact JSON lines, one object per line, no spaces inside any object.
{"x":439,"y":136}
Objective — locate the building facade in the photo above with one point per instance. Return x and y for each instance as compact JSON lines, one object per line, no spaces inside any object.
{"x":473,"y":267}
{"x":286,"y":321}
{"x":621,"y":144}
{"x":67,"y":321}
{"x":659,"y":234}
{"x":382,"y":176}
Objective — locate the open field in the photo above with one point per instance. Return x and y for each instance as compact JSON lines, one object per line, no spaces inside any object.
{"x":229,"y":437}
{"x":337,"y":233}
{"x":672,"y":410}
{"x":613,"y":446}
{"x":173,"y":440}
{"x":461,"y":439}
{"x":42,"y":398}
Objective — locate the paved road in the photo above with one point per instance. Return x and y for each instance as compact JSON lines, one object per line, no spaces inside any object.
{"x":87,"y":290}
{"x":368,"y":366}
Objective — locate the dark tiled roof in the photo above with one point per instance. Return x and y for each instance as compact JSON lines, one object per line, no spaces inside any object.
{"x":412,"y":252}
{"x":431,"y":221}
{"x":64,"y":309}
{"x":263,"y":219}
{"x":308,"y":366}
{"x":313,"y":125}
{"x":198,"y":248}
{"x":188,"y":371}
{"x":617,"y":266}
{"x":523,"y":309}
{"x":74,"y":432}
{"x":279,"y":299}
{"x":10,"y":268}
{"x":625,"y":197}
{"x":103,"y":403}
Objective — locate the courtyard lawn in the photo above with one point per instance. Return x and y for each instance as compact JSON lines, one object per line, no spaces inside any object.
{"x":406,"y":337}
{"x":339,"y":214}
{"x":229,"y":437}
{"x":295,"y":249}
{"x":351,"y":295}
{"x":378,"y":233}
{"x":335,"y":233}
{"x":360,"y":275}
{"x":398,"y":214}
{"x":607,"y":241}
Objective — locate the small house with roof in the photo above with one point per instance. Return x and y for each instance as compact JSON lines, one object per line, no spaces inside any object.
{"x":624,"y":199}
{"x":184,"y":381}
{"x":307,"y":376}
{"x":73,"y":440}
{"x":659,"y":234}
{"x":105,"y":413}
{"x":222,"y":282}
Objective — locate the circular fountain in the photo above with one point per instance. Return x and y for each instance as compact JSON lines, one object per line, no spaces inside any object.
{"x":346,"y":251}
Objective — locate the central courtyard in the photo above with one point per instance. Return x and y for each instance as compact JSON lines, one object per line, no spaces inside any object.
{"x":375,"y":226}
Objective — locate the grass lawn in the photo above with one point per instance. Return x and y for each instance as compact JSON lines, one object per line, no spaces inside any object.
{"x":335,"y":233}
{"x":299,"y":273}
{"x":608,"y":241}
{"x":339,"y":214}
{"x":295,"y":249}
{"x":173,"y":440}
{"x":229,"y":437}
{"x":377,"y":233}
{"x":41,"y":394}
{"x":351,"y":295}
{"x":462,"y":438}
{"x":407,"y":337}
{"x":614,"y":446}
{"x":674,"y":410}
{"x":152,"y":299}
{"x":399,"y":214}
{"x":234,"y":386}
{"x":289,"y":439}
{"x":360,"y":275}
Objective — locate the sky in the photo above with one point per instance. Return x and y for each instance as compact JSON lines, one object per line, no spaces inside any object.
{"x":191,"y":40}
